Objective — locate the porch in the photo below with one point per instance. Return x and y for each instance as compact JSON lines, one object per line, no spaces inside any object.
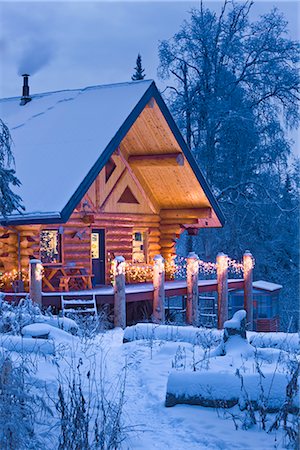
{"x":134,"y":292}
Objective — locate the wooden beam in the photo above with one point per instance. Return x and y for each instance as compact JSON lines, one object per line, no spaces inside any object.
{"x":101,"y":208}
{"x":137,"y":182}
{"x":190,"y":213}
{"x":157,"y":160}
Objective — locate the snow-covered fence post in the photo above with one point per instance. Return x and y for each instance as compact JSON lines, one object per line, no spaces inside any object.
{"x":118,"y":268}
{"x":222,"y":279}
{"x":35,"y":280}
{"x":159,"y":289}
{"x":192,"y":273}
{"x":248,"y":287}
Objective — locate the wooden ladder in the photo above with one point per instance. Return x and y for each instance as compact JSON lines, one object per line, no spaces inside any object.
{"x":78,"y":306}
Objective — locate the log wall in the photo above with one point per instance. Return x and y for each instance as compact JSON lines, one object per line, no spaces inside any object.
{"x":76,"y":239}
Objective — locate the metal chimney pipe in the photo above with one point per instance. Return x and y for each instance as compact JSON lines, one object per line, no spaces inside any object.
{"x":25,"y":91}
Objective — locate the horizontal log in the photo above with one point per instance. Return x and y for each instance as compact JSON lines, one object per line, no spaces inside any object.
{"x":121,"y":243}
{"x":126,"y":255}
{"x":154,"y":233}
{"x":167,"y":247}
{"x":154,"y":246}
{"x":170,"y":228}
{"x":153,"y":242}
{"x":156,"y":160}
{"x":74,"y":248}
{"x":24,"y":243}
{"x":179,"y":221}
{"x":76,"y":242}
{"x":26,"y":252}
{"x":125,"y":217}
{"x":32,"y":234}
{"x":12,"y":239}
{"x":118,"y":231}
{"x":191,"y":213}
{"x":119,"y":248}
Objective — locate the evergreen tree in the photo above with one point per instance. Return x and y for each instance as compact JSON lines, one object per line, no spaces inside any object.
{"x":9,"y":201}
{"x":139,"y":71}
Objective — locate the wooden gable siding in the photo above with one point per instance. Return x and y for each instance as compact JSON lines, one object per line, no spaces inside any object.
{"x":174,"y":186}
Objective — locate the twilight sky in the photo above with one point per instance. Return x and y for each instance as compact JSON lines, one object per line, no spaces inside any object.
{"x":71,"y":44}
{"x":74,"y":44}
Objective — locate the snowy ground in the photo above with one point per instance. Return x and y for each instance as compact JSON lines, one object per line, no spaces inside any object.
{"x":148,"y":363}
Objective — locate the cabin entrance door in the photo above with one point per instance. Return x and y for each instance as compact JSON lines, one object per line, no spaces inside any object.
{"x":98,"y":256}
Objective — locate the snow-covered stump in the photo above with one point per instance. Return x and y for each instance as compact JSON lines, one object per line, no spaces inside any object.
{"x":222,"y":280}
{"x":248,"y":287}
{"x":235,"y":326}
{"x":35,"y":280}
{"x":118,"y":267}
{"x":192,"y":273}
{"x":158,"y":314}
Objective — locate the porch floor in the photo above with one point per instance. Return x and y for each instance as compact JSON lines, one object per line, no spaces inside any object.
{"x":134,"y":292}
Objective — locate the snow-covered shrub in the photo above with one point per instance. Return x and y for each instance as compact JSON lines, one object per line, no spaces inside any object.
{"x":90,"y":411}
{"x":14,"y":317}
{"x":89,"y":325}
{"x":19,"y":407}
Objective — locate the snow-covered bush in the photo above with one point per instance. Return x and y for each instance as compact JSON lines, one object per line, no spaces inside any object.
{"x":90,"y":325}
{"x":13,"y":317}
{"x":90,"y":410}
{"x":19,"y":407}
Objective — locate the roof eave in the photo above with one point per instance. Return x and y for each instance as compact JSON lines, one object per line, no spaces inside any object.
{"x":33,"y":219}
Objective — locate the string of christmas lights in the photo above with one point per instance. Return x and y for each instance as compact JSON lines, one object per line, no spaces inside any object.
{"x":7,"y":278}
{"x":175,"y":268}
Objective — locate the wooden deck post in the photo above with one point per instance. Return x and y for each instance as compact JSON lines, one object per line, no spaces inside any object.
{"x":159,"y":289}
{"x":222,"y":279}
{"x":248,"y":287}
{"x":192,"y":273}
{"x":35,"y":280}
{"x":119,"y":292}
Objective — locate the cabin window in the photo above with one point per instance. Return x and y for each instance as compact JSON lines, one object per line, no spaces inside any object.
{"x":264,"y":304}
{"x":139,"y":247}
{"x":50,"y":246}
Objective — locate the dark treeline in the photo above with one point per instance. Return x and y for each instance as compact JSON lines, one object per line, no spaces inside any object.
{"x":234,"y":91}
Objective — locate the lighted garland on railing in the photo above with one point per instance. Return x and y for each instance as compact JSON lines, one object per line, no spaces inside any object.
{"x":175,"y":268}
{"x":178,"y":267}
{"x":7,"y":278}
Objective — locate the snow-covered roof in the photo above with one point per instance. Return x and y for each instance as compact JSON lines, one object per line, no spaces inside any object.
{"x":58,"y":137}
{"x":61,"y":141}
{"x":266,"y":286}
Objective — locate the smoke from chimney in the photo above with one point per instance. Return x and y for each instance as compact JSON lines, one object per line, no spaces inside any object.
{"x":25,"y":90}
{"x":36,"y":54}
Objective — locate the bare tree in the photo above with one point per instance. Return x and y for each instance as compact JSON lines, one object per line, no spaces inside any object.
{"x":234,"y":90}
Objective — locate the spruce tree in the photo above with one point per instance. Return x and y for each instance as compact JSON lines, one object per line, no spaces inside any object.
{"x":139,"y":71}
{"x":9,"y":201}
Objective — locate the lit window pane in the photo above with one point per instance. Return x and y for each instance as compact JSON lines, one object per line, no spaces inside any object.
{"x":50,"y":246}
{"x":95,"y":245}
{"x":138,"y":247}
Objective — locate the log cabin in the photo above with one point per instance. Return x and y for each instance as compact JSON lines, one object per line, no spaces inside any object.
{"x":105,"y":171}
